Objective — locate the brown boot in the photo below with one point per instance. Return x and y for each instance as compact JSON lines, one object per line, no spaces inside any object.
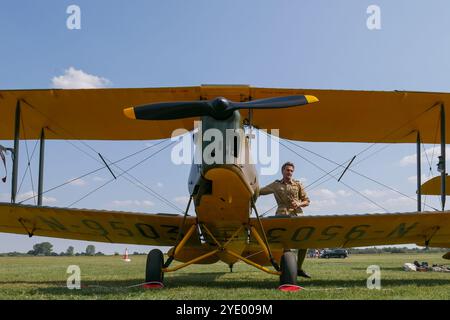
{"x":302,"y":273}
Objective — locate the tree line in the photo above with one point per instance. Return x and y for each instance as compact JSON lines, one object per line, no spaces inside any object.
{"x":46,"y":249}
{"x":395,"y":250}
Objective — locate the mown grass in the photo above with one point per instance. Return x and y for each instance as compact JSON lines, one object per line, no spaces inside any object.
{"x":111,"y":278}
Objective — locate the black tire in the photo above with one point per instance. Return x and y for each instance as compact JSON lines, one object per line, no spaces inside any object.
{"x":153,"y":269}
{"x":288,"y":267}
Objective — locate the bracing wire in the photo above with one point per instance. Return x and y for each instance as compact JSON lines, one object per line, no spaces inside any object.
{"x":339,"y":166}
{"x":26,"y":170}
{"x":430,"y":171}
{"x":29,"y":161}
{"x":366,"y":177}
{"x":124,"y":172}
{"x":95,"y":170}
{"x":95,"y":158}
{"x":161,"y":198}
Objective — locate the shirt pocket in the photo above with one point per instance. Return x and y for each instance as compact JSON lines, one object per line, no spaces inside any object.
{"x":293,"y":192}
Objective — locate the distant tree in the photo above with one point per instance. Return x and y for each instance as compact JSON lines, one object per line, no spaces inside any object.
{"x":70,"y":251}
{"x":44,"y":249}
{"x":135,"y":253}
{"x":99,"y":253}
{"x":116,"y":253}
{"x":90,"y":250}
{"x":62,"y":253}
{"x":14,"y":254}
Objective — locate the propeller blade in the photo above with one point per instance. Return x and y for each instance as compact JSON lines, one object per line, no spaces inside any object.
{"x":169,"y":110}
{"x":278,"y":102}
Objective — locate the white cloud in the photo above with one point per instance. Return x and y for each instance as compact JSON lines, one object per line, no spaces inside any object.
{"x":413,"y":179}
{"x":181,"y":200}
{"x":329,"y":194}
{"x":134,"y":203}
{"x":337,"y":206}
{"x":375,"y":193}
{"x":98,"y":179}
{"x":78,"y":79}
{"x":364,"y":207}
{"x":48,"y":200}
{"x":159,"y":184}
{"x":429,"y":154}
{"x":344,"y":193}
{"x":325,"y":201}
{"x":78,"y":182}
{"x":325,"y":204}
{"x":399,"y":203}
{"x":6,"y":197}
{"x":325,"y":193}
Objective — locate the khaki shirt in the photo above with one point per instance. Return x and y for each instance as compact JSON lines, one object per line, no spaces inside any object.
{"x":284,"y":194}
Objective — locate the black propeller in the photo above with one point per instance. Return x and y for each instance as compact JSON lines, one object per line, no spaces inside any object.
{"x":219,"y":108}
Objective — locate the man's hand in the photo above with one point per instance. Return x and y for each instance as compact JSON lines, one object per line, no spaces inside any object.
{"x":297,"y":204}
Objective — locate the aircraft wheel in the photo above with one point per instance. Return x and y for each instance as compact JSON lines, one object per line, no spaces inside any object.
{"x":153,"y":269}
{"x":288,"y":268}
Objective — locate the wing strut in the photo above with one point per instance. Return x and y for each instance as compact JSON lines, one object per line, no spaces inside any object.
{"x":41,"y":167}
{"x":442,"y":157}
{"x":178,"y":244}
{"x":346,"y":168}
{"x":16,"y":154}
{"x":272,"y":260}
{"x":419,"y":174}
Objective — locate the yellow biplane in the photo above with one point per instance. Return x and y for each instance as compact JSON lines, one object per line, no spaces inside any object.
{"x":223,"y":193}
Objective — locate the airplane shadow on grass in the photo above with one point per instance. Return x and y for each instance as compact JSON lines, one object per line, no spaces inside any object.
{"x":381,"y":268}
{"x":208,"y":280}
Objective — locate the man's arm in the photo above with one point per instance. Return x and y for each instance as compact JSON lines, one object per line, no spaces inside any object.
{"x":304,"y":200}
{"x":266,"y":190}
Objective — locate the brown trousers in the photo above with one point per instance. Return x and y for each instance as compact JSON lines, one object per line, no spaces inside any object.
{"x":301,"y":255}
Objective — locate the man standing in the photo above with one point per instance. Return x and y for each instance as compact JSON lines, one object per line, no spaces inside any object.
{"x":291,"y":198}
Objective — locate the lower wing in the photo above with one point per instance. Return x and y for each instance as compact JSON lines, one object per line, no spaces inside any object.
{"x":421,"y":228}
{"x":94,"y":225}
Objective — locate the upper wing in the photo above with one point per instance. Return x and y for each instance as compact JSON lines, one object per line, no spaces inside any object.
{"x":433,"y":186}
{"x":339,"y":116}
{"x":94,"y":225}
{"x":425,"y":228}
{"x":89,"y":114}
{"x":355,"y":116}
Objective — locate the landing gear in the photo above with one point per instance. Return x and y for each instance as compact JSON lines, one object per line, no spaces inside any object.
{"x":153,"y":269}
{"x":288,"y":269}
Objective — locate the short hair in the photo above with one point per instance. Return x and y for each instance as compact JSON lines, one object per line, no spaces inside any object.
{"x":287,"y":164}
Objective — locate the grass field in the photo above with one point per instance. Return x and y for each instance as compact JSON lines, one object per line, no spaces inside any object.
{"x":109,"y":277}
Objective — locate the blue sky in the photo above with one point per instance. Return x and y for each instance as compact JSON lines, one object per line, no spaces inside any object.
{"x":286,"y":43}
